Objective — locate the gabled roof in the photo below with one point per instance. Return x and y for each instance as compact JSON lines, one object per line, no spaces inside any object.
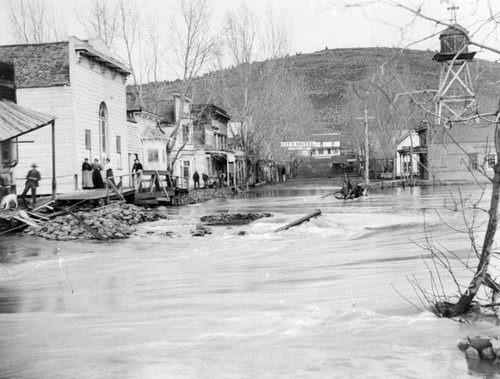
{"x":153,"y":134}
{"x":209,"y":111}
{"x":16,"y":120}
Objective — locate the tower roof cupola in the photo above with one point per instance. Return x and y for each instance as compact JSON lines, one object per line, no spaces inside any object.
{"x":454,"y":43}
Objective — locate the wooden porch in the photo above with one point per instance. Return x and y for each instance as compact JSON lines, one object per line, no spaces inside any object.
{"x":151,"y":188}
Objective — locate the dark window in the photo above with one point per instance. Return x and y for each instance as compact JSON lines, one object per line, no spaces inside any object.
{"x":103,"y":126}
{"x":153,"y":155}
{"x":119,"y":151}
{"x":88,"y":139}
{"x":491,"y":159}
{"x":473,"y":161}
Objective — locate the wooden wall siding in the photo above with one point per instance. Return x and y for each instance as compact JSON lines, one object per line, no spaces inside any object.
{"x":222,"y":127}
{"x":209,"y":138}
{"x":134,"y":141}
{"x":91,"y":87}
{"x":39,"y":65}
{"x":465,"y":133}
{"x":451,"y":161}
{"x":57,"y":102}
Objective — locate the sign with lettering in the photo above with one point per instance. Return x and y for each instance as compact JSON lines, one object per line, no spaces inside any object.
{"x":298,"y":144}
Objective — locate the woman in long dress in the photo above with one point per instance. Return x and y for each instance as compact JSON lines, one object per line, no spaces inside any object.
{"x":109,"y":172}
{"x":87,"y":174}
{"x":96,"y":175}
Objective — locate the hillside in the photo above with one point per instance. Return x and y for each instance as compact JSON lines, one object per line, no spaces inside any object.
{"x":329,"y":73}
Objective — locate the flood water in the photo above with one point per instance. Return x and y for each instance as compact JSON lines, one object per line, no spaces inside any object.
{"x":327,"y":299}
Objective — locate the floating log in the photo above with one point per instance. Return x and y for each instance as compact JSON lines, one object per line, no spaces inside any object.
{"x":316,"y":212}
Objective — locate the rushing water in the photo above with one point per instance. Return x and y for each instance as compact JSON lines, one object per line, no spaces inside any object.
{"x":319,"y":300}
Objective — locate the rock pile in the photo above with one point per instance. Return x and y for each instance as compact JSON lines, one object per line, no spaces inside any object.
{"x":233,"y":218}
{"x":111,"y":222}
{"x":205,"y":194}
{"x":481,"y":347}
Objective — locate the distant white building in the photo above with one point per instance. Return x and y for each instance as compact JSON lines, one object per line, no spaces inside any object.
{"x":407,"y":162}
{"x":325,"y":146}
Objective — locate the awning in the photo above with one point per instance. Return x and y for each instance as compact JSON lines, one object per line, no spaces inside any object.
{"x":16,"y":120}
{"x":219,"y":155}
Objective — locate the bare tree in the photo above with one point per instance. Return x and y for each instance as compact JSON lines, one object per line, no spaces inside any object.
{"x":154,"y":55}
{"x":276,"y":40}
{"x":267,"y":98}
{"x":129,"y":21}
{"x":193,"y":47}
{"x":101,"y":19}
{"x":35,"y":21}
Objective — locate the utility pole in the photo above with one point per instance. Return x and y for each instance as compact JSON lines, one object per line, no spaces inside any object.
{"x":367,"y":147}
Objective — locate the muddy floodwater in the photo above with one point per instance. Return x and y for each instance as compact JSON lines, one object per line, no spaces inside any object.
{"x":329,"y":298}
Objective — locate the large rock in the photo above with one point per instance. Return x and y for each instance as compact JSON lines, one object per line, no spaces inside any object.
{"x":481,"y":347}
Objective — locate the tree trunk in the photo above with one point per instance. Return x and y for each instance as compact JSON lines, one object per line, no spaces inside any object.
{"x":315,"y":213}
{"x":465,"y":300}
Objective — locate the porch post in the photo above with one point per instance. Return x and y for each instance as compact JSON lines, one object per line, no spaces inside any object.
{"x":54,"y":182}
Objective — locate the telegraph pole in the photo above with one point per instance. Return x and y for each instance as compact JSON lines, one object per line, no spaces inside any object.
{"x":367,"y":147}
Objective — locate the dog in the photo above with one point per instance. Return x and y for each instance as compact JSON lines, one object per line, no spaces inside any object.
{"x":9,"y":201}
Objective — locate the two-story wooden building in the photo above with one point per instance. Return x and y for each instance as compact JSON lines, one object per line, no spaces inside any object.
{"x":210,"y":128}
{"x":80,"y":84}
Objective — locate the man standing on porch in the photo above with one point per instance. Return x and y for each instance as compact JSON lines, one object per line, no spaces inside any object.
{"x":32,"y":180}
{"x":137,"y":170}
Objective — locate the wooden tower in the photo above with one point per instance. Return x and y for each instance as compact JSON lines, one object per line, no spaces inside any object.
{"x":455,"y":99}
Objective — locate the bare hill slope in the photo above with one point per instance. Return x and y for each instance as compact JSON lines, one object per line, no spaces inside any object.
{"x":329,"y":73}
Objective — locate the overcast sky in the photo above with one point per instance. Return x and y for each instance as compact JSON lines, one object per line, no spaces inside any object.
{"x":316,"y":24}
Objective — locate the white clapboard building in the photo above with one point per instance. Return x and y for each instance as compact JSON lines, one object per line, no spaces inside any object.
{"x":83,"y":87}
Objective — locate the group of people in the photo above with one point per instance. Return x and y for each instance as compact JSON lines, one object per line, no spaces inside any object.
{"x":208,"y":181}
{"x":91,"y":174}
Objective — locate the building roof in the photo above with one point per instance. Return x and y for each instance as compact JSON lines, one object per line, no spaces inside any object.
{"x":82,"y":47}
{"x":39,"y":65}
{"x":164,"y":109}
{"x":153,"y":134}
{"x":48,"y":65}
{"x":454,"y":29}
{"x":209,"y":110}
{"x":16,"y":120}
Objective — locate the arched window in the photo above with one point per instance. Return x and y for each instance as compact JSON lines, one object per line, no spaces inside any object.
{"x":103,"y":129}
